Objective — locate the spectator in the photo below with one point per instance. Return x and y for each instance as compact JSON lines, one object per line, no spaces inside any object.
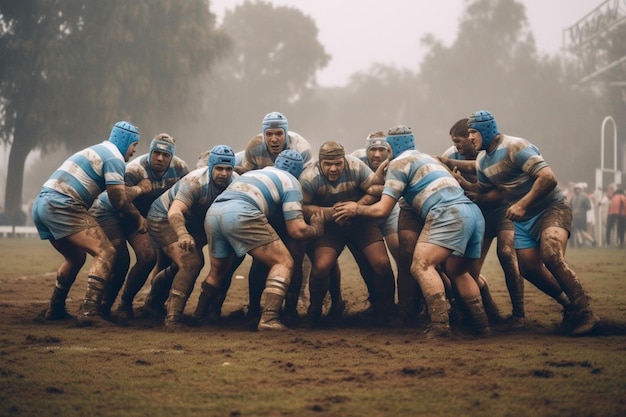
{"x":617,"y":217}
{"x":580,"y":205}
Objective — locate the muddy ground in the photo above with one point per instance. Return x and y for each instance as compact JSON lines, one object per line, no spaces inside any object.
{"x":350,"y":368}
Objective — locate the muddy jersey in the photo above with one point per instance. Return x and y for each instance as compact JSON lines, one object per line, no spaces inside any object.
{"x":139,"y":169}
{"x":318,"y":190}
{"x":362,"y":155}
{"x":271,"y":190}
{"x":257,"y":156}
{"x":511,"y":168}
{"x":453,"y":153}
{"x":423,"y":182}
{"x":196,"y":190}
{"x":86,"y":174}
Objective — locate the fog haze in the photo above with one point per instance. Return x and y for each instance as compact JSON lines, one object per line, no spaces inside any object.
{"x":357,"y":33}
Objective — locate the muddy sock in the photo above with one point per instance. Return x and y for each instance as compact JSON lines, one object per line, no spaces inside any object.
{"x":93,"y":296}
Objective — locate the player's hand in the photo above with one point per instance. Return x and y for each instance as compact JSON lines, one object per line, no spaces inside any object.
{"x":345,"y":211}
{"x":186,"y":242}
{"x":145,"y":185}
{"x":317,"y":222}
{"x":457,"y":175}
{"x":515,"y":212}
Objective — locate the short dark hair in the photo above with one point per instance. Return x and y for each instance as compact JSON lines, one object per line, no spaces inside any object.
{"x":460,"y":128}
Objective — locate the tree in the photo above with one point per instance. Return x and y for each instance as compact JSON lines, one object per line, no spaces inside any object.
{"x":271,"y":67}
{"x":493,"y":64}
{"x":75,"y":67}
{"x":375,"y":99}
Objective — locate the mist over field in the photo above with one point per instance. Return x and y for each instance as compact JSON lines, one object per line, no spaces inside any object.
{"x":209,"y":82}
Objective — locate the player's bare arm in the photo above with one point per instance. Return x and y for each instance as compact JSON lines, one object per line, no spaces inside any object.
{"x":299,"y":229}
{"x":119,"y":200}
{"x":545,"y":182}
{"x":176,"y":217}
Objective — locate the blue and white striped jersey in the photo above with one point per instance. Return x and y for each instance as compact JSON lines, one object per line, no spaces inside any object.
{"x":511,"y":168}
{"x":257,"y":156}
{"x":139,"y":169}
{"x":195,"y":189}
{"x":317,"y":190}
{"x":269,"y":189}
{"x":84,"y":175}
{"x":423,"y":182}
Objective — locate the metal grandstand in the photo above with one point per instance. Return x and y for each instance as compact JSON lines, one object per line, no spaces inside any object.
{"x":590,"y":40}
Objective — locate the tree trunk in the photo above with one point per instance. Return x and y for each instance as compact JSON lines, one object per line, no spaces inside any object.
{"x":21,"y":147}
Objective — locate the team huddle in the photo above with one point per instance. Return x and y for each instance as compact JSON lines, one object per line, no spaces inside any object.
{"x":294,"y":212}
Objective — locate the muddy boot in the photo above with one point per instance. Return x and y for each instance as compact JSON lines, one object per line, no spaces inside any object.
{"x":208,"y":296}
{"x":57,"y":309}
{"x":124,"y":313}
{"x":491,"y":308}
{"x":89,"y":312}
{"x":290,"y":312}
{"x":480,"y":320}
{"x":337,"y":309}
{"x":175,"y":307}
{"x":257,"y":278}
{"x":109,"y":294}
{"x":154,"y":305}
{"x":270,"y":317}
{"x":581,"y":319}
{"x":438,"y":310}
{"x":317,"y":292}
{"x":586,"y":322}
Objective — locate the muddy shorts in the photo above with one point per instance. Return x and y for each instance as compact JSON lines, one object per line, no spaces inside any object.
{"x":359,"y":234}
{"x":116,"y":227}
{"x":237,"y":226}
{"x":528,"y":232}
{"x":408,"y":219}
{"x":389,"y":225}
{"x":458,"y":227}
{"x":161,"y":232}
{"x":57,"y":216}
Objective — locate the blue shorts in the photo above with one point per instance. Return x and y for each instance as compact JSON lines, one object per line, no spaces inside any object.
{"x":528,"y":232}
{"x":236,"y":227}
{"x":389,"y":225}
{"x":458,"y":227}
{"x":57,"y":216}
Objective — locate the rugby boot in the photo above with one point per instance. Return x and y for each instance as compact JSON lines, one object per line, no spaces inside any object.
{"x":57,"y":309}
{"x":175,"y":307}
{"x":480,"y":321}
{"x":89,"y":312}
{"x":491,"y":308}
{"x":124,"y":313}
{"x":270,"y":317}
{"x":208,"y":296}
{"x":438,"y":311}
{"x":586,"y":321}
{"x":582,"y":319}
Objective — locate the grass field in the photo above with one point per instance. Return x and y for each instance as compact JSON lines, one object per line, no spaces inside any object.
{"x":349,"y":370}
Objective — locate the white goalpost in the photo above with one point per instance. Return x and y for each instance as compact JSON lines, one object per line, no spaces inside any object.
{"x":605,"y":174}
